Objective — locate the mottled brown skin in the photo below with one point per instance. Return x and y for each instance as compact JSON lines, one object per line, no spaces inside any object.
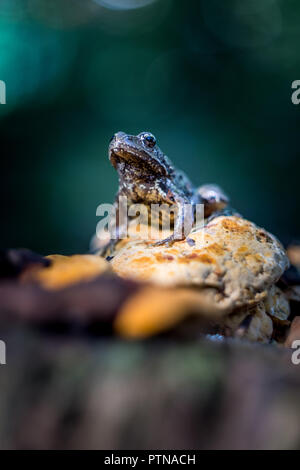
{"x":147,"y":176}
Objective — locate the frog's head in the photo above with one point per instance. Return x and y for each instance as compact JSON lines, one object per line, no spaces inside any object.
{"x":139,"y":152}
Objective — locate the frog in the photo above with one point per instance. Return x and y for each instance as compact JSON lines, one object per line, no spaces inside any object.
{"x":147,"y":176}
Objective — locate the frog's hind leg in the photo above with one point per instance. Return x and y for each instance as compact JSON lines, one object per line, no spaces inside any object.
{"x":104,"y":242}
{"x":213,"y":198}
{"x":103,"y":245}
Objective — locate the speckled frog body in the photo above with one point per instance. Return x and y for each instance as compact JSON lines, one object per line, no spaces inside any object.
{"x":146,"y":175}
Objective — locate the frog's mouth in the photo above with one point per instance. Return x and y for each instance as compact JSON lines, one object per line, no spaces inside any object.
{"x":140,"y":160}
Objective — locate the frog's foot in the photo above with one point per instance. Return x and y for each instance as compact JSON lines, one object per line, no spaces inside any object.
{"x":169,"y":241}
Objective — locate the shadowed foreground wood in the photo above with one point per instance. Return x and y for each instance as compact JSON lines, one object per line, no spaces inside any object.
{"x":66,"y":393}
{"x":70,"y":382}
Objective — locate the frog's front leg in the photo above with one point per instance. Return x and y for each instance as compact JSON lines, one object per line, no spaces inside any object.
{"x":182,"y":224}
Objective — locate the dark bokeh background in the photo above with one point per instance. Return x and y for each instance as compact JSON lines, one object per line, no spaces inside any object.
{"x":211,"y":79}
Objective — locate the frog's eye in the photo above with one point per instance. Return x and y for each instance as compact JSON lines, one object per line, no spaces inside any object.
{"x":149,"y":139}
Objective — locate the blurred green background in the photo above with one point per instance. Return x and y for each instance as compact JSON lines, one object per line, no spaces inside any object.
{"x":211,"y":79}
